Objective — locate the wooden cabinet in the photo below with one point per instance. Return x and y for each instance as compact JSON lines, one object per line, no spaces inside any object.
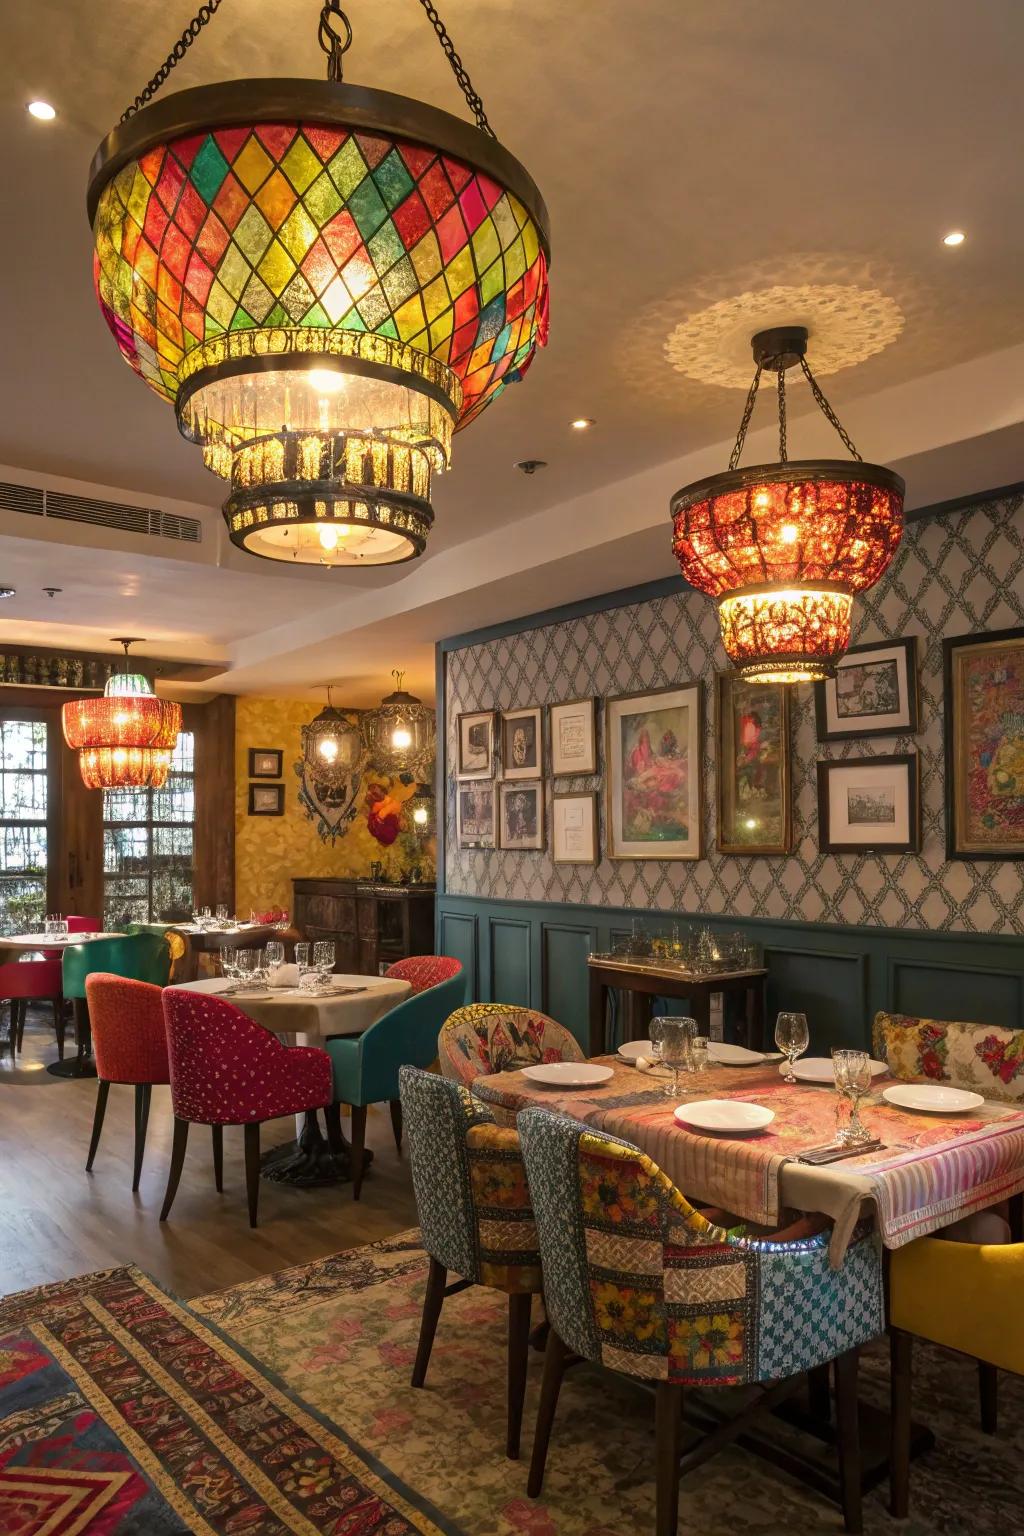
{"x":371,"y":925}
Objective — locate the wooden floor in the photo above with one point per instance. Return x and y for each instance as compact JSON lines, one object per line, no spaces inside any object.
{"x":56,"y":1220}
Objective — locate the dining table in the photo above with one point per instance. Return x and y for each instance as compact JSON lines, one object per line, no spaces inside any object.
{"x":348,"y":1006}
{"x":15,"y":946}
{"x":210,"y":938}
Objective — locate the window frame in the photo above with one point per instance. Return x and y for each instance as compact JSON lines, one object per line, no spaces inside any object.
{"x":36,"y":716}
{"x":151,"y":824}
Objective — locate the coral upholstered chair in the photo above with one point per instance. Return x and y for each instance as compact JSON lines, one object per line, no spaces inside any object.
{"x":23,"y":981}
{"x":498,"y":1037}
{"x":228,"y":1070}
{"x":130,"y":1046}
{"x":423,"y":971}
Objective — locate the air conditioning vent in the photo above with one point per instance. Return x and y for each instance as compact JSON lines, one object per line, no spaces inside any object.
{"x":149,"y":521}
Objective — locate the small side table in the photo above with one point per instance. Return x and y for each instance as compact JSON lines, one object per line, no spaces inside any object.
{"x":642,"y":981}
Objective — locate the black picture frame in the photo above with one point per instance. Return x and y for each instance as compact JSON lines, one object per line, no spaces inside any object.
{"x":910,"y":707}
{"x":256,"y":771}
{"x":910,"y":763}
{"x":957,"y":845}
{"x":274,"y":808}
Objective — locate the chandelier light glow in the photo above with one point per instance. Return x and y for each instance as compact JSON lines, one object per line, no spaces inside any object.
{"x":326,"y":282}
{"x":125,"y":739}
{"x":785,"y":547}
{"x":332,"y":746}
{"x":419,"y":812}
{"x":401,"y":733}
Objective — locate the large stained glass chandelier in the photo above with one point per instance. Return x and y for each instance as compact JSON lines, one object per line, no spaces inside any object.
{"x":784,"y":547}
{"x":326,"y":281}
{"x":401,"y":733}
{"x":125,"y":739}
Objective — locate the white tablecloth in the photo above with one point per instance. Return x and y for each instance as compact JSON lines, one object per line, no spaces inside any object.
{"x":311,"y":1017}
{"x":29,"y":943}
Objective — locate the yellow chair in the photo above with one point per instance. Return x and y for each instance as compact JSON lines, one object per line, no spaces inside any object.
{"x":964,"y":1296}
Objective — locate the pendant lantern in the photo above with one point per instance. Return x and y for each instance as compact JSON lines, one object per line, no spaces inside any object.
{"x":401,"y":733}
{"x":125,"y":739}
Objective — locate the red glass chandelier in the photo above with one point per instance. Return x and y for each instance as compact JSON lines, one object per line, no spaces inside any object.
{"x":125,"y":739}
{"x":784,"y":547}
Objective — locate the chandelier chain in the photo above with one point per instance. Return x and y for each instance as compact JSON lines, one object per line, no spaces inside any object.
{"x":748,"y":411}
{"x":334,"y":44}
{"x":177,"y":53}
{"x":828,"y":412}
{"x":783,"y":452}
{"x":473,"y":100}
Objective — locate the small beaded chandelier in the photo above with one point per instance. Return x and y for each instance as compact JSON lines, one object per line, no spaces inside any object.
{"x":332,"y":746}
{"x":784,"y":547}
{"x":401,"y":733}
{"x":125,"y":739}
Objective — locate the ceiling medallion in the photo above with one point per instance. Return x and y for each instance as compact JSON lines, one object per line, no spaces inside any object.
{"x":125,"y":739}
{"x":326,"y":281}
{"x":401,"y":733}
{"x":784,"y":547}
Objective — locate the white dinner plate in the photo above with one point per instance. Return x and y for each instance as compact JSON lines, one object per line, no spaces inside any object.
{"x":567,"y":1074}
{"x":819,"y":1069}
{"x":724,"y":1115}
{"x":935,"y":1098}
{"x":725,"y":1055}
{"x":631,"y":1049}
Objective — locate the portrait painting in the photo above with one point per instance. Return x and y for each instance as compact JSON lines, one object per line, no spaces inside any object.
{"x":874,"y":692}
{"x":754,"y":814}
{"x":521,"y":815}
{"x":654,"y":773}
{"x":984,"y":697}
{"x":475,"y":745}
{"x":521,"y":743}
{"x":475,"y":814}
{"x":870,"y":804}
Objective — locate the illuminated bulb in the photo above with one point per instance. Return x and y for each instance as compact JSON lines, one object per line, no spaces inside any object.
{"x":328,"y":538}
{"x":582,"y":423}
{"x":401,"y":738}
{"x":762,"y":501}
{"x":42,"y":110}
{"x":419,"y":815}
{"x":750,"y":823}
{"x":326,"y":381}
{"x":329,"y":749}
{"x":121,"y":718}
{"x":789,"y":533}
{"x":955,"y":237}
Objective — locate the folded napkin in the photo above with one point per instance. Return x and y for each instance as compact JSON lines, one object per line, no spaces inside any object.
{"x":645,"y":1064}
{"x":284,"y":976}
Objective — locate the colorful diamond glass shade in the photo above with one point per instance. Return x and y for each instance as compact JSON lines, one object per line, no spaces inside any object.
{"x":332,"y":746}
{"x":784,"y":548}
{"x":124,"y":739}
{"x":401,"y":735}
{"x":239,"y":267}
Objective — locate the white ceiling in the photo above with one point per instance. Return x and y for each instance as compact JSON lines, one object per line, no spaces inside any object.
{"x":688,"y":154}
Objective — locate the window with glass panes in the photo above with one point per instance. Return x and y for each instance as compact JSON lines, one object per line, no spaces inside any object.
{"x":148,"y":846}
{"x":23,"y":811}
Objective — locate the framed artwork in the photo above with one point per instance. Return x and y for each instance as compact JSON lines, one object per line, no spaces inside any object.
{"x":475,"y":745}
{"x":522,"y":743}
{"x":874,"y":692}
{"x":574,"y":828}
{"x":266,"y":799}
{"x":521,"y":815}
{"x":984,"y":697}
{"x":475,"y":814}
{"x":870,"y":804}
{"x":265,"y":762}
{"x":653,"y":770}
{"x":573,"y":729}
{"x":754,"y":795}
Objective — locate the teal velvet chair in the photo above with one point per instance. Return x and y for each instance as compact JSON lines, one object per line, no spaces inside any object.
{"x":137,"y":956}
{"x":366,"y":1067}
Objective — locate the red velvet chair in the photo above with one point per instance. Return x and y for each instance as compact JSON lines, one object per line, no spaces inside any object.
{"x":22,"y":981}
{"x":228,"y":1070}
{"x":130,"y":1046}
{"x":424,"y":971}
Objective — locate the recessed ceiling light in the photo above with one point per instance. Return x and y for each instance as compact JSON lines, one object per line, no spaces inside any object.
{"x":955,"y":237}
{"x":582,"y":423}
{"x":42,"y":110}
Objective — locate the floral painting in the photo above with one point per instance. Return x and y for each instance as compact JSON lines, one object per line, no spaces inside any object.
{"x":654,"y":774}
{"x":985,"y":745}
{"x":753,"y":766}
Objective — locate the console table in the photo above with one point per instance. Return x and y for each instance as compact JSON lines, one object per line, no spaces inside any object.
{"x":371,"y":924}
{"x":644,"y":980}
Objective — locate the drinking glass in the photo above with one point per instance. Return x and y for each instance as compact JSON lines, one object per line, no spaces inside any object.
{"x":856,"y":1072}
{"x":247,"y":961}
{"x":699,"y":1053}
{"x":841,"y":1074}
{"x":281,"y":921}
{"x":323,"y":956}
{"x":222,"y":912}
{"x":657,"y":1033}
{"x":229,"y":964}
{"x":792,"y":1039}
{"x":274,"y":953}
{"x":676,"y":1048}
{"x":302,"y":961}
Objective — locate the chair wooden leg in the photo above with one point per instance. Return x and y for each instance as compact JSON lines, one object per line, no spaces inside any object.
{"x":102,"y":1090}
{"x":519,"y":1308}
{"x":433,"y":1300}
{"x":988,"y":1392}
{"x":252,"y":1168}
{"x":358,"y":1147}
{"x":668,"y":1433}
{"x":848,"y":1439}
{"x":143,"y":1094}
{"x":57,"y":1003}
{"x":396,"y":1122}
{"x":554,"y":1369}
{"x":177,"y":1162}
{"x":335,"y":1134}
{"x":901,"y":1370}
{"x":218,"y":1157}
{"x":819,"y":1394}
{"x":22,"y":1016}
{"x":82,"y":1032}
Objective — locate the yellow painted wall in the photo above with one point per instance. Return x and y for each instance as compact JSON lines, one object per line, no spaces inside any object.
{"x":270,"y":851}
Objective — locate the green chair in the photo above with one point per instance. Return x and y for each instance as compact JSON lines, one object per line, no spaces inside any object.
{"x":366,"y":1067}
{"x":175,"y":940}
{"x":137,"y":956}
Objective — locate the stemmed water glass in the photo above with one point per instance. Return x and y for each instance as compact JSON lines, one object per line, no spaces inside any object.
{"x":229,"y":967}
{"x":274,"y":954}
{"x":247,"y":961}
{"x":853,"y":1080}
{"x":792,"y":1038}
{"x":676,"y":1048}
{"x":324,"y":953}
{"x":222,"y":912}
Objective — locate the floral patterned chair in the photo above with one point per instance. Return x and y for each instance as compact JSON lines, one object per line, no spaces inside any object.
{"x":636,"y":1280}
{"x":980,"y":1057}
{"x":423,"y":971}
{"x":498,"y":1037}
{"x":475,"y":1217}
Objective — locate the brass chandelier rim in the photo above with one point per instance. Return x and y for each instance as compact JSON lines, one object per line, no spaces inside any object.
{"x":329,"y":103}
{"x":790,"y":471}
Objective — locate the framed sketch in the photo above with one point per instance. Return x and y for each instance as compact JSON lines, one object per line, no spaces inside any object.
{"x":573,"y":730}
{"x":266,"y":799}
{"x":574,"y":828}
{"x":870,"y":804}
{"x":653,"y":770}
{"x":521,"y":815}
{"x":984,"y":698}
{"x":475,"y":814}
{"x":475,"y":745}
{"x":522,"y":743}
{"x":265,"y":762}
{"x":874,"y":692}
{"x":752,"y":736}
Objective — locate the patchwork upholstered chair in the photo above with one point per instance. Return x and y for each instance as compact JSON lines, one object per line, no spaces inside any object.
{"x":637,"y":1280}
{"x":423,"y":971}
{"x":499,"y":1037}
{"x":475,"y":1216}
{"x":981,"y":1057}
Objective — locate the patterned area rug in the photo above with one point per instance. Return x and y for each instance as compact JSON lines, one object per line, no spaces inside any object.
{"x":122,"y":1414}
{"x":343,"y":1333}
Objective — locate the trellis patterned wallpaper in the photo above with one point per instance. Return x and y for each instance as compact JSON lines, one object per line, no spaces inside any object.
{"x":956,"y":574}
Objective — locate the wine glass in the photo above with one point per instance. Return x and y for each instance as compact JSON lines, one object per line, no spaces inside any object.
{"x":856,"y":1071}
{"x":792,"y":1038}
{"x":323,"y":957}
{"x":247,"y":961}
{"x":281,"y":922}
{"x":222,"y":912}
{"x":229,"y":965}
{"x":302,"y":960}
{"x":676,"y":1050}
{"x":274,"y":952}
